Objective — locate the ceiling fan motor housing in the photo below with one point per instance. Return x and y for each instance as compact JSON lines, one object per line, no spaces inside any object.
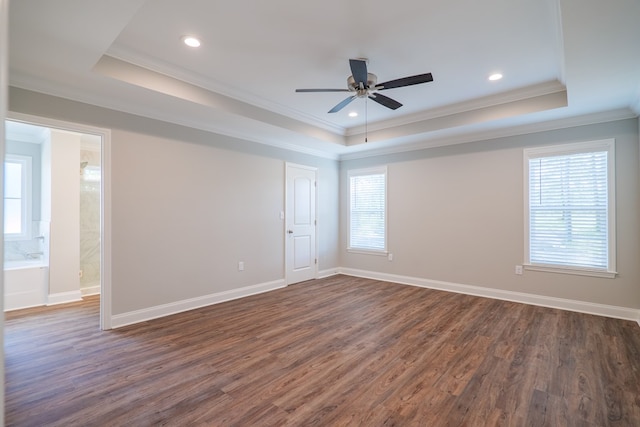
{"x":372,"y":80}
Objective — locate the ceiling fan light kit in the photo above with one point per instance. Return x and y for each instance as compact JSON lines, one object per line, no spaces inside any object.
{"x":365,"y":85}
{"x":354,"y":86}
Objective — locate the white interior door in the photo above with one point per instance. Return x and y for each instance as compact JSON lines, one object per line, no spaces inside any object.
{"x":300,"y":246}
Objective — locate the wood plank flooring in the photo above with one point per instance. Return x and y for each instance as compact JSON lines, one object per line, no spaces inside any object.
{"x":340,"y":351}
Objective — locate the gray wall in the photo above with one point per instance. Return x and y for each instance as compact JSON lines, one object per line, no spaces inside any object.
{"x":455,"y":214}
{"x":187,"y":205}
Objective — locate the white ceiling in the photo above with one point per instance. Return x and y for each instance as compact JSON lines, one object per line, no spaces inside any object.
{"x":564,"y":62}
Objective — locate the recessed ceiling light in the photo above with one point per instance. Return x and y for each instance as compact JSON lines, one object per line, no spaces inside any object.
{"x":494,"y":77}
{"x":353,"y":114}
{"x":191,"y":41}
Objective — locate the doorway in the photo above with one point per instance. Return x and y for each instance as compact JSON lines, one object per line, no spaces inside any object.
{"x":301,"y":262}
{"x":61,"y":212}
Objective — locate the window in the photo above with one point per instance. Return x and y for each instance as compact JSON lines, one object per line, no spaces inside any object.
{"x":17,"y":197}
{"x":570,"y":208}
{"x":368,"y":210}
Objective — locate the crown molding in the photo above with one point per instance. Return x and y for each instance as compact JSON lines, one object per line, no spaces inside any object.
{"x":520,"y":94}
{"x":207,"y":83}
{"x":69,"y":94}
{"x":161,"y":83}
{"x":492,"y":113}
{"x":427,"y":139}
{"x":434,"y":141}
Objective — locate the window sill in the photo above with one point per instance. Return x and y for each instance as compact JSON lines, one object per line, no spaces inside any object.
{"x":17,"y":237}
{"x":571,"y":270}
{"x":367,"y":252}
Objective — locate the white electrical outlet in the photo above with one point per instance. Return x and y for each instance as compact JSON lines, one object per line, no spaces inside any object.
{"x":241,"y":266}
{"x":390,"y":257}
{"x":519,"y":270}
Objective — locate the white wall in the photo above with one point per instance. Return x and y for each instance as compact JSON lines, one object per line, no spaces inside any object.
{"x":456,"y":215}
{"x":64,"y":237}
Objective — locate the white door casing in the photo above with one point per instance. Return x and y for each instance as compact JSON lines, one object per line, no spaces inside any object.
{"x":300,"y":225}
{"x":105,"y":200}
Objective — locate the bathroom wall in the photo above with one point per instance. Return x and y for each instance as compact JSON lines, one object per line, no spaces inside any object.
{"x":61,"y":206}
{"x":65,"y":189}
{"x":90,"y":215}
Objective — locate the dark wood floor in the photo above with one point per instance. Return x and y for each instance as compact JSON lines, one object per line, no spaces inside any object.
{"x":330,"y":352}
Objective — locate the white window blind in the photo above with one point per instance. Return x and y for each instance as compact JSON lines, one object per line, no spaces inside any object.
{"x":367,"y":209}
{"x":569,"y":208}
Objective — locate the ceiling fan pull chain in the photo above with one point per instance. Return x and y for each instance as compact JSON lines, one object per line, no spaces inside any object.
{"x":366,"y":119}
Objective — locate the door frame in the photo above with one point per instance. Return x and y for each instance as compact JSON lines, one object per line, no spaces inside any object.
{"x":105,"y":200}
{"x":285,"y":224}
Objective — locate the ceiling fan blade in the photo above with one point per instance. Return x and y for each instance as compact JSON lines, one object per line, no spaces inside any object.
{"x":322,"y":90}
{"x":359,"y":71}
{"x":386,"y":101}
{"x":406,"y":81}
{"x":343,"y":104}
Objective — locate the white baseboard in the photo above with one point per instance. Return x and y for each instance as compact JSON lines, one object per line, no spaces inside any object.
{"x":119,"y":320}
{"x":328,"y":273}
{"x":64,"y":297}
{"x":90,"y":290}
{"x":521,"y":297}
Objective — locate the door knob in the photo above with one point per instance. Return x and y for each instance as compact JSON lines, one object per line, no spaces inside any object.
{"x":290,"y":231}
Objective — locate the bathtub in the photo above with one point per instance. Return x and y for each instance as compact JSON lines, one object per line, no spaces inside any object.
{"x":26,"y":284}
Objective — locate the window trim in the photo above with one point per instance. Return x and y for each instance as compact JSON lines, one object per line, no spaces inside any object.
{"x":362,"y":172}
{"x":568,"y":149}
{"x":27,"y":177}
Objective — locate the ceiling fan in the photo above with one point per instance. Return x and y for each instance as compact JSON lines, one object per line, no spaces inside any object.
{"x":365,"y":85}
